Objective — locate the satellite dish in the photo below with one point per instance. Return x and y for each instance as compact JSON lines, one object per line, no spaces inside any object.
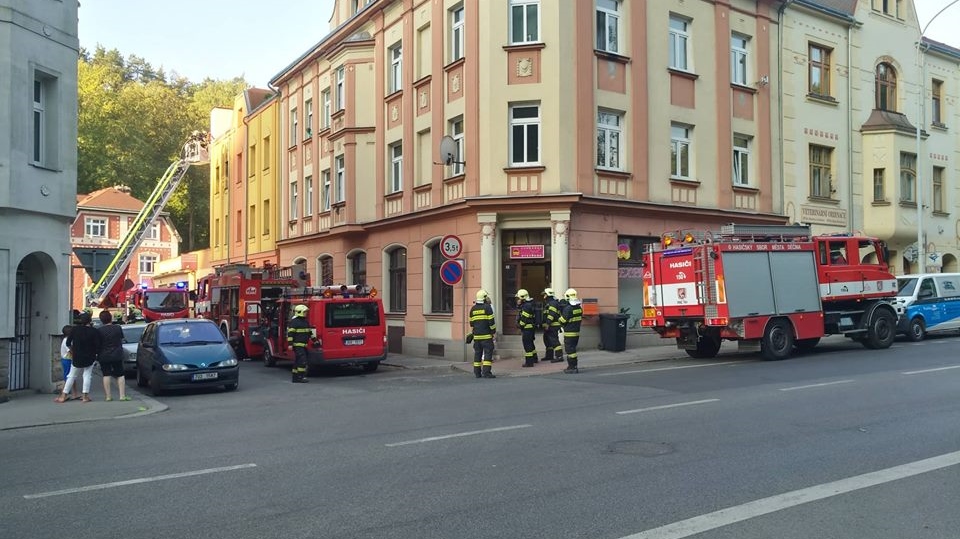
{"x":448,"y":150}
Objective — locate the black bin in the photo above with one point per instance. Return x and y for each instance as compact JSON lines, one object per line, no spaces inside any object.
{"x":613,"y":332}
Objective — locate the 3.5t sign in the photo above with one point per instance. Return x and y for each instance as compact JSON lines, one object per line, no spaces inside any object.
{"x":451,"y":246}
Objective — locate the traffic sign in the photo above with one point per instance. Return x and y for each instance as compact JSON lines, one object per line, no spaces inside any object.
{"x":451,"y":246}
{"x":451,"y":271}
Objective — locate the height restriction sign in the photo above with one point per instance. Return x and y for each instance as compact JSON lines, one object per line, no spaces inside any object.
{"x":451,"y":246}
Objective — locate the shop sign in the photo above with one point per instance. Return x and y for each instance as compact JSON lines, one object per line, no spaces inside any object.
{"x":823,"y":216}
{"x":527,"y":251}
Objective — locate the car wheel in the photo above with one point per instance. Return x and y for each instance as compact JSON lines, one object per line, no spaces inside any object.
{"x":155,"y":387}
{"x":917,"y":330}
{"x":141,"y":379}
{"x":777,"y":342}
{"x":371,"y":367}
{"x":268,"y":359}
{"x":231,"y":387}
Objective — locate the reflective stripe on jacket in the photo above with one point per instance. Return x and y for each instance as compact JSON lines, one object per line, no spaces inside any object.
{"x":527,"y":316}
{"x":298,"y":331}
{"x":571,"y":318}
{"x":482,"y":322}
{"x":552,"y":313}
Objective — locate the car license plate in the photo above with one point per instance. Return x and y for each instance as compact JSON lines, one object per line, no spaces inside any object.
{"x":353,"y":342}
{"x":205,"y":376}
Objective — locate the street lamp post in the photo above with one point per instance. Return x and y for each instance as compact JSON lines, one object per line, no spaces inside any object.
{"x":921,"y":248}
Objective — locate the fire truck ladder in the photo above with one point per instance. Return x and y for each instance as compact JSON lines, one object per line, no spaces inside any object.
{"x":764,"y":232}
{"x":194,"y":153}
{"x":706,"y":275}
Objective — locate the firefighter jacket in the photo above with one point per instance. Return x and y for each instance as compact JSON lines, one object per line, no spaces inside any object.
{"x":570,"y":318}
{"x":299,"y":332}
{"x":551,"y":313}
{"x":527,"y":316}
{"x":482,"y":322}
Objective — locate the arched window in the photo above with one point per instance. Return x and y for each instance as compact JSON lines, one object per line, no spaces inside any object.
{"x":441,"y":294}
{"x":324,"y":270}
{"x":397,"y":270}
{"x":886,"y":87}
{"x":357,"y":263}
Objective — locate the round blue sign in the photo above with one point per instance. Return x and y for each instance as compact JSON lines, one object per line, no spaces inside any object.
{"x":451,"y":272}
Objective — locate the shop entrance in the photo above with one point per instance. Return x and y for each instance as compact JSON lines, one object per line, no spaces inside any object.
{"x":526,"y":265}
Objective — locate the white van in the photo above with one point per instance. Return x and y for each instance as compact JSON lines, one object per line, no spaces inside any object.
{"x":927,"y":302}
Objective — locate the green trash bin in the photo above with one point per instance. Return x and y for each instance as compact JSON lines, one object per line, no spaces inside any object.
{"x":613,"y":332}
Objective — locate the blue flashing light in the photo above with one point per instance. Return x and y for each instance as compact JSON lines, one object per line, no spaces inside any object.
{"x":677,"y":252}
{"x":143,"y":286}
{"x":181,"y":284}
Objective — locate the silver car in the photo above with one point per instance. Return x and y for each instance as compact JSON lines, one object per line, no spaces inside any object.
{"x":131,"y":338}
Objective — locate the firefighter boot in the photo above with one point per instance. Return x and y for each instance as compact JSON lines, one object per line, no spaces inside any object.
{"x":571,"y":367}
{"x":476,"y":371}
{"x":487,"y":372}
{"x":558,"y":358}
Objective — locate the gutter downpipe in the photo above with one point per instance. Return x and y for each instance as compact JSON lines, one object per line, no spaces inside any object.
{"x":850,"y":206}
{"x":246,"y":182}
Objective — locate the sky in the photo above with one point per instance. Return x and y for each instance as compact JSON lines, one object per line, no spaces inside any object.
{"x":210,"y":38}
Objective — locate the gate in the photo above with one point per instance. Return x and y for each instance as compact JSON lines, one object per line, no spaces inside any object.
{"x":20,"y":351}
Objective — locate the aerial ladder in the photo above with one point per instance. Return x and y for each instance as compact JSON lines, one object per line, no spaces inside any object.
{"x":106,"y":291}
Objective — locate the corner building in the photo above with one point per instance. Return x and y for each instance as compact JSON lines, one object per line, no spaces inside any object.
{"x":581,"y":132}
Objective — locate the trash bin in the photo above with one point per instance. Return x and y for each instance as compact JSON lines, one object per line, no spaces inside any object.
{"x":613,"y":332}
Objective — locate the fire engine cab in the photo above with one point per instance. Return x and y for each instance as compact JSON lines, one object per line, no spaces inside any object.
{"x":769,"y":287}
{"x":349,"y":324}
{"x":242,"y":299}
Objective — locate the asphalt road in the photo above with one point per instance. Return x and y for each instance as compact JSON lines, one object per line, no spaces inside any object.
{"x":840,"y":443}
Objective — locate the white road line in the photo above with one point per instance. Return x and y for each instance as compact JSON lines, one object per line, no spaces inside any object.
{"x":138,"y":481}
{"x":665,"y":406}
{"x":815,"y":385}
{"x":457,"y":435}
{"x":764,"y":506}
{"x":932,"y":370}
{"x":673,"y":368}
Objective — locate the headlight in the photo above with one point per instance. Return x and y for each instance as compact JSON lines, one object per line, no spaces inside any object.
{"x":174,"y":367}
{"x":228,"y":363}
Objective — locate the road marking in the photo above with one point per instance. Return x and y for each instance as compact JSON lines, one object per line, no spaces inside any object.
{"x":764,"y":506}
{"x":665,"y":406}
{"x":815,"y":385}
{"x":457,"y":435}
{"x":933,"y":370}
{"x":674,"y":368}
{"x":138,"y":481}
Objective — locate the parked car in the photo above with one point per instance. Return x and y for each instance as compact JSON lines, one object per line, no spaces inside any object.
{"x":185,"y":352}
{"x":131,"y":339}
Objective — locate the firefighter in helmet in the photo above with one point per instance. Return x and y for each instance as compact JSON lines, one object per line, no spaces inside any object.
{"x":526,"y":319}
{"x":551,"y":327}
{"x":483,"y":327}
{"x":299,"y":333}
{"x":570,"y":319}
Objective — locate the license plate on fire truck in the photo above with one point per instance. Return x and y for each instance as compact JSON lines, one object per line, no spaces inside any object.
{"x":353,"y":342}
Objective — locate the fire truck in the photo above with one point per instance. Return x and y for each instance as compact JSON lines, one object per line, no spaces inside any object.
{"x":242,"y":298}
{"x":349,"y":323}
{"x":158,"y":303}
{"x":772,"y":288}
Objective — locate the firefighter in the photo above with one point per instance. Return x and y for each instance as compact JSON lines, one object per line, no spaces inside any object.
{"x":526,"y":319}
{"x":298,"y":335}
{"x":551,"y":327}
{"x":570,"y":319}
{"x":483,"y":327}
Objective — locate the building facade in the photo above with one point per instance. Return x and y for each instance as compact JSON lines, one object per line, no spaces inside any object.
{"x":38,"y":179}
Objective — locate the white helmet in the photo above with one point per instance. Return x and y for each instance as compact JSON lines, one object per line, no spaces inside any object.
{"x":482,"y":296}
{"x":548,"y":292}
{"x":570,"y":294}
{"x":523,"y":294}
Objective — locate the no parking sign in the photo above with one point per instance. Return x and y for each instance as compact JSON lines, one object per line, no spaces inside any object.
{"x":451,"y":271}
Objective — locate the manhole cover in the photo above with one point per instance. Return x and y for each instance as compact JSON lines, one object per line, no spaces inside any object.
{"x":641,"y":448}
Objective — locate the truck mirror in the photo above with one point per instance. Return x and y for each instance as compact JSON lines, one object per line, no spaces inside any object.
{"x":193,"y":296}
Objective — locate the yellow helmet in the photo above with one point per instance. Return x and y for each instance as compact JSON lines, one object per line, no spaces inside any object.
{"x":482,"y":295}
{"x":548,"y":292}
{"x":300,"y":310}
{"x":523,"y":294}
{"x":571,"y":293}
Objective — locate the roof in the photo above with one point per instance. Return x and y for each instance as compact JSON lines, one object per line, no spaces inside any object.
{"x":847,"y":7}
{"x":256,"y":97}
{"x":110,"y":198}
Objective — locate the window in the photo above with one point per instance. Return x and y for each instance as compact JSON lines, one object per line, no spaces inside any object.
{"x":456,"y":131}
{"x":938,"y":189}
{"x":358,"y":268}
{"x":326,"y":270}
{"x":936,"y":93}
{"x":524,"y":21}
{"x":396,"y":167}
{"x":293,"y":127}
{"x":147,"y":263}
{"x":252,"y":160}
{"x":325,"y":190}
{"x":524,"y":135}
{"x":39,"y":120}
{"x":738,"y":59}
{"x":339,"y":89}
{"x":879,"y":185}
{"x":819,"y":62}
{"x":396,"y":68}
{"x":886,"y":87}
{"x":325,"y":112}
{"x":265,"y":158}
{"x":680,"y":151}
{"x":398,"y":280}
{"x":893,"y":8}
{"x":293,"y":200}
{"x":153,"y":233}
{"x":308,"y":197}
{"x":608,"y":25}
{"x":308,"y":110}
{"x":908,"y":177}
{"x":354,"y":6}
{"x":266,"y":217}
{"x":216,"y":233}
{"x":95,"y":227}
{"x":456,"y":33}
{"x":239,"y":220}
{"x":679,"y":38}
{"x":252,"y":222}
{"x":609,"y":132}
{"x":339,"y":191}
{"x":820,"y":173}
{"x":441,"y":294}
{"x":741,"y":160}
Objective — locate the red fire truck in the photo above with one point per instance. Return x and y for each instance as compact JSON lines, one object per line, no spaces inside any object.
{"x":769,"y":287}
{"x":241,"y":298}
{"x":159,"y":303}
{"x":350,"y":327}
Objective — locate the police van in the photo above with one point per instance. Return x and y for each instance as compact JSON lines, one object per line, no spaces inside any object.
{"x":927,"y":302}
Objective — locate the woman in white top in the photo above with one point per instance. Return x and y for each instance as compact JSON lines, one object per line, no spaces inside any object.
{"x":66,"y":361}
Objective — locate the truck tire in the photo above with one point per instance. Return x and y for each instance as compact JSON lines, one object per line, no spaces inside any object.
{"x":707,"y":347}
{"x":881,"y":330}
{"x":777,"y":342}
{"x":917,"y":330}
{"x":371,"y":366}
{"x":805,"y":345}
{"x":268,"y":359}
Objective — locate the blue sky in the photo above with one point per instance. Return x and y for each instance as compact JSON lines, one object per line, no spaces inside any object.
{"x":208,"y":38}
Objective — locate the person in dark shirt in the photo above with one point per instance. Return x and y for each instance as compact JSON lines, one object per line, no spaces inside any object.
{"x":84,"y":343}
{"x":111,"y":356}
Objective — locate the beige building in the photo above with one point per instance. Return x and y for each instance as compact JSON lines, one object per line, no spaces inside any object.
{"x":582,"y":131}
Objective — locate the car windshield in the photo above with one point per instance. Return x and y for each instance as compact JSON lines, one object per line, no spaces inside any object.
{"x":186,"y":334}
{"x":163,"y":301}
{"x":132,"y":334}
{"x":352,"y":314}
{"x":905,"y":286}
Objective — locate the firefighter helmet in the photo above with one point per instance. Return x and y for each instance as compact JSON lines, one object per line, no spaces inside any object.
{"x":523,"y":294}
{"x":548,"y":292}
{"x":482,"y":296}
{"x":571,"y":294}
{"x":300,"y":310}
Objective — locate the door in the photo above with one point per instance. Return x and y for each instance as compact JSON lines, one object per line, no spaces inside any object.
{"x":20,"y":351}
{"x":533,"y":276}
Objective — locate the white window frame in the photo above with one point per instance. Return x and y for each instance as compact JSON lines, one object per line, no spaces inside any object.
{"x":147,"y":263}
{"x":908,"y":177}
{"x":395,"y":54}
{"x":294,"y":126}
{"x":396,"y":167}
{"x":308,"y":110}
{"x":325,"y":194}
{"x":739,"y":54}
{"x":523,"y":127}
{"x":339,"y":187}
{"x":294,"y":200}
{"x":457,"y":30}
{"x":308,"y":196}
{"x":608,"y":19}
{"x":741,"y":160}
{"x":95,"y":224}
{"x":456,"y":132}
{"x":153,"y":233}
{"x":340,"y":76}
{"x":821,"y":172}
{"x":325,"y":112}
{"x":609,"y":139}
{"x":39,"y":120}
{"x":681,"y":143}
{"x":679,"y":43}
{"x":520,"y":15}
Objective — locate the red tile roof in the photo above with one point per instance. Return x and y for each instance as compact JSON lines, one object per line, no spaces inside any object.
{"x":109,"y":198}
